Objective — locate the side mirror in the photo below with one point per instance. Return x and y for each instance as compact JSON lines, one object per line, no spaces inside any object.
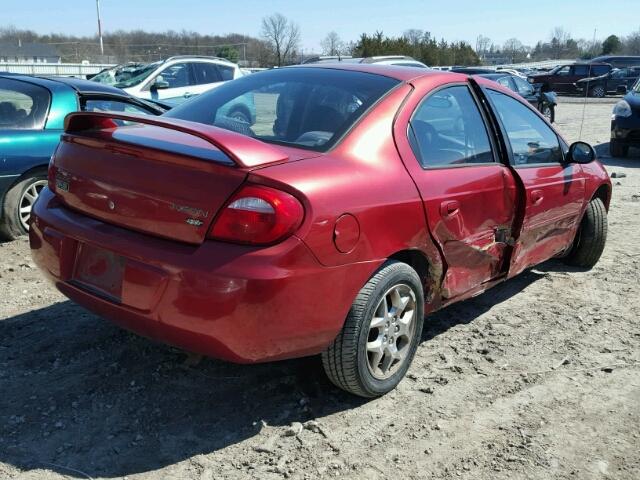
{"x":581,"y":152}
{"x":159,"y":84}
{"x":622,"y":89}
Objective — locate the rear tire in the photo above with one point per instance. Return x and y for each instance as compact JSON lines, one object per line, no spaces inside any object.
{"x":17,"y":205}
{"x":598,"y":92}
{"x":378,"y":341}
{"x":591,"y":237}
{"x":616,"y":149}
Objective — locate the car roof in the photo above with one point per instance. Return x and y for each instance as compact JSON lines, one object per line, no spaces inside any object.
{"x":79,"y":85}
{"x":86,"y":86}
{"x":392,"y":71}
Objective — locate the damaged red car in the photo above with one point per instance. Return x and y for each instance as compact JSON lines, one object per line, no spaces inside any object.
{"x":362,"y":198}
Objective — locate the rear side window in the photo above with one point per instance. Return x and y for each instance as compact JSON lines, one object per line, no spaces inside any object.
{"x":532,"y":140}
{"x":111,"y":105}
{"x":23,"y":106}
{"x":226,"y":73}
{"x":597,"y":70}
{"x":304,"y":107}
{"x":206,"y":73}
{"x":447,"y":129}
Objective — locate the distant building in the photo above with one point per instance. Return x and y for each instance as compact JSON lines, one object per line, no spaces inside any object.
{"x":28,"y":53}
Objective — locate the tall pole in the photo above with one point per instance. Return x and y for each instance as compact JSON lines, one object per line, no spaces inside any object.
{"x":99,"y":27}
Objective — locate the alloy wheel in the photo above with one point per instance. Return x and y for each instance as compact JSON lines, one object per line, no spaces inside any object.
{"x":27,"y":200}
{"x":391,"y":331}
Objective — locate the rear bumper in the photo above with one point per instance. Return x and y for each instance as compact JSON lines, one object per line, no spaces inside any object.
{"x":232,"y":302}
{"x":626,"y":131}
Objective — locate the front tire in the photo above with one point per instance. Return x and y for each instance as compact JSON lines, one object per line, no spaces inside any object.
{"x":616,"y":149}
{"x":591,"y":237}
{"x":548,"y":112}
{"x":17,"y":205}
{"x":598,"y":91}
{"x":378,"y":341}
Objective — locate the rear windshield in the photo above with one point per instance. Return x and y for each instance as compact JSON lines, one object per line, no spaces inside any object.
{"x":303,"y":107}
{"x":23,"y":106}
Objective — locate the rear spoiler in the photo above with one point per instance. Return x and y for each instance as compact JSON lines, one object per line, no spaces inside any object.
{"x":244,"y":151}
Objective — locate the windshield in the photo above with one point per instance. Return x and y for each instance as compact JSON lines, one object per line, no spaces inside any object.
{"x":128,"y":75}
{"x":303,"y":107}
{"x":636,"y":87}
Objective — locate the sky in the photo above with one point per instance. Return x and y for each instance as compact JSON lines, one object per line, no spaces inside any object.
{"x":529,"y":21}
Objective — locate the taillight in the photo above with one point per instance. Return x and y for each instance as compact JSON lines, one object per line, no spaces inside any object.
{"x":258,"y":215}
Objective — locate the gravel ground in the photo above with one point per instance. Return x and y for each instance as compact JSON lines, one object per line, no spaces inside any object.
{"x":537,"y":379}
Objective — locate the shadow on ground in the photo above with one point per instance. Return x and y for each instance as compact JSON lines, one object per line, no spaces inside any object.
{"x":78,"y":392}
{"x":631,"y":161}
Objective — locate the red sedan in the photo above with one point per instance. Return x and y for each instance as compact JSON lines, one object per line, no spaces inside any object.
{"x":362,"y":198}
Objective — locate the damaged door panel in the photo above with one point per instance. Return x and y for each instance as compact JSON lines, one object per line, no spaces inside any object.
{"x":469,"y":198}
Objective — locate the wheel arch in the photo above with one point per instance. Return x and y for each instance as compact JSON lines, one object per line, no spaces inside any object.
{"x":21,"y":177}
{"x":430,"y":272}
{"x":603,"y":192}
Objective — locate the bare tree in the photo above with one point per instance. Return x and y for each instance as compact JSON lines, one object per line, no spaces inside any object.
{"x":559,"y":39}
{"x":631,"y":44}
{"x":513,"y":48}
{"x":282,"y":35}
{"x":414,"y":36}
{"x":482,"y":45}
{"x":332,"y":44}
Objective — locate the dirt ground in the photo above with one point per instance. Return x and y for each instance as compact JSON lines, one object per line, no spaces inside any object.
{"x":538,"y":378}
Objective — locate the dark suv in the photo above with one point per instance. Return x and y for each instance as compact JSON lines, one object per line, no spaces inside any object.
{"x":618,"y":61}
{"x":562,"y":79}
{"x":614,"y":81}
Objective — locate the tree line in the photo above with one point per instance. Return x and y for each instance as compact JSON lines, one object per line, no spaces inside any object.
{"x":280,"y":39}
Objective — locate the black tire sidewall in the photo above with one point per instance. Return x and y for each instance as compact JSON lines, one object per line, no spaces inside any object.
{"x":404,"y":275}
{"x":10,"y":224}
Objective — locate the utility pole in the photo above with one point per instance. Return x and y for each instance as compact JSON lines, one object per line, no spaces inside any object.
{"x":99,"y":27}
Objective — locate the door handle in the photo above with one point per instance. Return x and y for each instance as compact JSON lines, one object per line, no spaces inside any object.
{"x":536,"y":197}
{"x":449,"y":208}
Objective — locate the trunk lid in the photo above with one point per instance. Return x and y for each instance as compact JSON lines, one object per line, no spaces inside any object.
{"x":162,"y":177}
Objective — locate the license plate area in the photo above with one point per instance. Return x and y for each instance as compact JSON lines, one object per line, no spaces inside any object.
{"x":99,"y":271}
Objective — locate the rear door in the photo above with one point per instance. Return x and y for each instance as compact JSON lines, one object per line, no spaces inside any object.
{"x":553,"y":190}
{"x":206,"y":75}
{"x":468,"y":197}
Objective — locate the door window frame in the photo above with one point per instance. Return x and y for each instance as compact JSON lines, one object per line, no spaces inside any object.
{"x":488,"y":130}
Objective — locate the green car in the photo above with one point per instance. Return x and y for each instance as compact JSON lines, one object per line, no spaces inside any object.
{"x":32,"y":111}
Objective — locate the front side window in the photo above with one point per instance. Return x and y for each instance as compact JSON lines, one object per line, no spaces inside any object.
{"x":23,"y":106}
{"x":532,"y":140}
{"x":581,"y":70}
{"x":447,"y":129}
{"x":564,"y":71}
{"x":305,"y":107}
{"x":177,"y":75}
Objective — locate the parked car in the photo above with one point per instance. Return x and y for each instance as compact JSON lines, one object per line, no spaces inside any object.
{"x":618,"y":61}
{"x":563,"y":78}
{"x":545,"y":102}
{"x":608,"y":83}
{"x":398,"y":60}
{"x":364,"y":197}
{"x":32,"y":111}
{"x":625,"y":123}
{"x":179,"y":76}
